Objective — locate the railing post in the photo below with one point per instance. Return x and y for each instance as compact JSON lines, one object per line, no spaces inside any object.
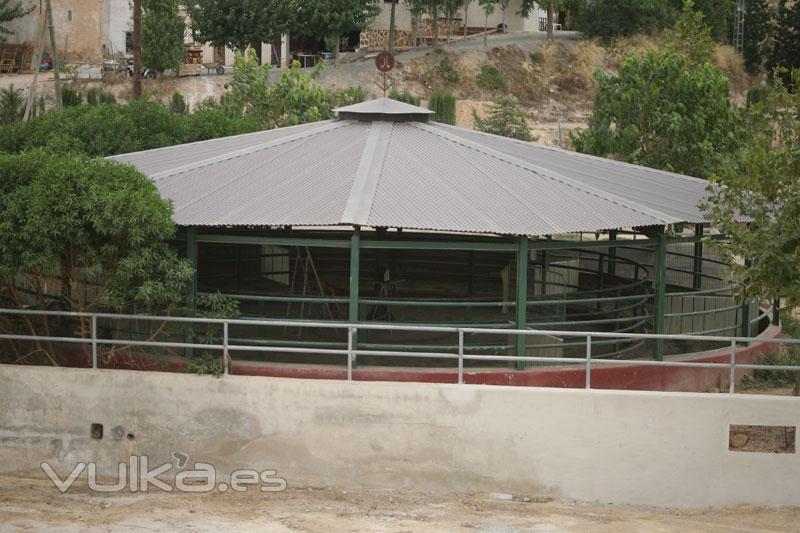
{"x":94,"y":341}
{"x":697,"y":278}
{"x":732,"y":377}
{"x":225,"y":357}
{"x":350,"y":354}
{"x":460,"y":356}
{"x":355,"y":274}
{"x":588,"y":361}
{"x":522,"y":299}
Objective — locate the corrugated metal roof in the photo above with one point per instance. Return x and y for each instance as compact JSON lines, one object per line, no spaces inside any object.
{"x":384,"y":106}
{"x":413,"y":175}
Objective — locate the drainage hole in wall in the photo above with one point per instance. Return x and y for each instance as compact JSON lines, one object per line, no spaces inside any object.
{"x":96,"y":431}
{"x":764,"y":439}
{"x":130,"y":436}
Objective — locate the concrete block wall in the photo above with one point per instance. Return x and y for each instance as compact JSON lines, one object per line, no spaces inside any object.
{"x":664,"y":449}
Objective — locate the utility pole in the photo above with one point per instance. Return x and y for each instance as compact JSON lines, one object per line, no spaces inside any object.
{"x":37,"y":60}
{"x":137,"y":49}
{"x":53,"y":51}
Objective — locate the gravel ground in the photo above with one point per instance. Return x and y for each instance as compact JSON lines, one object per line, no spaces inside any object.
{"x":33,"y":504}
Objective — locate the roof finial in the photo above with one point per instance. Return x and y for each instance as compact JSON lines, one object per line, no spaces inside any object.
{"x":384,"y":62}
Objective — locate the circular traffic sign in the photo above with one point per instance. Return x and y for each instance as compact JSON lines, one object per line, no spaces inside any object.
{"x":384,"y":61}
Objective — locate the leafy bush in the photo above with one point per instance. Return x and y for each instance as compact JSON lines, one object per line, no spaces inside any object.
{"x":505,"y":118}
{"x":757,"y":94}
{"x":489,"y":79}
{"x":70,"y":97}
{"x":107,"y":129}
{"x":447,"y":72}
{"x":443,"y":105}
{"x":352,"y":95}
{"x":96,"y":96}
{"x":177,"y":103}
{"x":404,"y":96}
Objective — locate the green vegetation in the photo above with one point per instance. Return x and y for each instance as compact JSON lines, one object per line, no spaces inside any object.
{"x":443,"y":105}
{"x":785,"y":53}
{"x":690,"y":36}
{"x":447,"y":72}
{"x":108,"y":129}
{"x":98,"y":228}
{"x":787,"y":356}
{"x":162,"y":35}
{"x":762,"y":182}
{"x":489,"y":79}
{"x":293,"y":99}
{"x":404,"y":96}
{"x":662,"y":112}
{"x":177,"y":104}
{"x":12,"y":104}
{"x":102,"y":129}
{"x":505,"y":118}
{"x":240,"y":23}
{"x":755,"y":46}
{"x":11,"y":10}
{"x":70,"y":96}
{"x":95,"y":96}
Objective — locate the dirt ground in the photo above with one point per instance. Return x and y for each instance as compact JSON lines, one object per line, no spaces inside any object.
{"x":31,"y":504}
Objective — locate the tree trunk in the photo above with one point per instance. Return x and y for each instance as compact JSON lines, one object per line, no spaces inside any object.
{"x":435,"y":25}
{"x":504,"y":6}
{"x":485,"y":29}
{"x":449,"y":28}
{"x":337,"y":49}
{"x":550,"y":15}
{"x":137,"y":49}
{"x":466,"y":7}
{"x":414,"y":31}
{"x":392,"y":27}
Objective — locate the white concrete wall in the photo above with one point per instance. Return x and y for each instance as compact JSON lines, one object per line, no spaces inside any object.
{"x":475,"y":17}
{"x":665,"y":449}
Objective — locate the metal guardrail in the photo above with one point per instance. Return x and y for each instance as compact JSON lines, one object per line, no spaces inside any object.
{"x":352,"y":351}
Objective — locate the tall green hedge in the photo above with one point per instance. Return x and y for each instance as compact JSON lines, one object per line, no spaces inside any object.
{"x":443,"y":105}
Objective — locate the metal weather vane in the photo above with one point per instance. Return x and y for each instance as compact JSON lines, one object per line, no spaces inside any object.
{"x":384,"y":62}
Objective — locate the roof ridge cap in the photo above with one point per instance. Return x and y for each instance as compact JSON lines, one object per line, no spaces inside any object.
{"x":365,"y":181}
{"x":581,"y":154}
{"x":116,"y":157}
{"x":330,"y":125}
{"x":664,"y":217}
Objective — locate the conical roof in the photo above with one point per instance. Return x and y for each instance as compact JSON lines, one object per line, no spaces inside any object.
{"x":401,"y":171}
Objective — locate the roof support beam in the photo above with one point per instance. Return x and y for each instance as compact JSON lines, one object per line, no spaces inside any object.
{"x":522,"y":297}
{"x":660,"y":296}
{"x":191,"y":255}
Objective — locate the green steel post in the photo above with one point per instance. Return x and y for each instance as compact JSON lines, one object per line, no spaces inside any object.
{"x":745,"y":317}
{"x":191,"y":255}
{"x":355,"y":259}
{"x":745,"y":325}
{"x":612,"y":254}
{"x":660,"y":297}
{"x":522,"y":296}
{"x":697,"y":281}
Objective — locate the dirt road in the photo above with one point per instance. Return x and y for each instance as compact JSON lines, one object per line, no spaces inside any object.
{"x":34,"y":504}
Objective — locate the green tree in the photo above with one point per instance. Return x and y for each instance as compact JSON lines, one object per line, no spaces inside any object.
{"x":241,"y":23}
{"x":162,"y":35}
{"x":690,"y":36}
{"x":718,"y":15}
{"x":661,"y":112}
{"x":333,"y":19}
{"x":487,"y":6}
{"x":505,"y":118}
{"x":612,"y":18}
{"x":785,"y":52}
{"x":758,"y":23}
{"x":86,"y":234}
{"x":11,"y":11}
{"x":762,"y":184}
{"x":11,"y":104}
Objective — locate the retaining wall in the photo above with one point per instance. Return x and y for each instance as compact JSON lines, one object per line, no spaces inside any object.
{"x":653,"y":448}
